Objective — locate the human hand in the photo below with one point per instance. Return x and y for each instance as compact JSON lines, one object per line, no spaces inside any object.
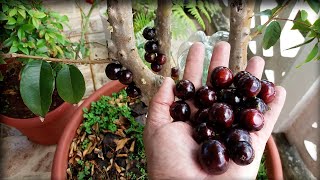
{"x":170,"y":148}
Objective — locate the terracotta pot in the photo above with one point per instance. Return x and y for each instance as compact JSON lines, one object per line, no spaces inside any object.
{"x":60,"y":161}
{"x":47,"y":132}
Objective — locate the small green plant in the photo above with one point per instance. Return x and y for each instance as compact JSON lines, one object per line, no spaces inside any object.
{"x":28,"y":28}
{"x":86,"y":170}
{"x":262,"y":173}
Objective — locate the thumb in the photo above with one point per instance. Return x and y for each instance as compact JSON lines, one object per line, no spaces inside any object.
{"x":159,"y":113}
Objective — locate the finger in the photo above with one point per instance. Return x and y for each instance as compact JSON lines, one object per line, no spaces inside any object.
{"x":220,"y":57}
{"x":159,"y":113}
{"x":272,"y":115}
{"x":194,"y":64}
{"x":256,"y":66}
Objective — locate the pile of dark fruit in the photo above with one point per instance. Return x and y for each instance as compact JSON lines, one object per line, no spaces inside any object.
{"x":228,"y":111}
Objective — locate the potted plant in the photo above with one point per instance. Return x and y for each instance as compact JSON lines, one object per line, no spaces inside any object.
{"x":37,"y":90}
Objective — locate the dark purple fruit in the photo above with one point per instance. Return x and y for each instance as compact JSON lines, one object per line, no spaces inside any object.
{"x":112,"y":70}
{"x":213,"y":157}
{"x":242,"y":153}
{"x":249,"y":86}
{"x":149,"y":33}
{"x":203,"y":132}
{"x":133,"y":91}
{"x":268,"y":91}
{"x":150,"y":57}
{"x":238,"y":76}
{"x":256,"y":103}
{"x":180,"y":111}
{"x":156,"y":67}
{"x":251,"y":119}
{"x":184,"y":90}
{"x":151,"y":46}
{"x":201,"y":116}
{"x":229,"y":96}
{"x":175,"y":73}
{"x":221,"y":77}
{"x":205,"y":97}
{"x":125,"y":77}
{"x":161,"y":59}
{"x":236,"y":135}
{"x":221,"y":114}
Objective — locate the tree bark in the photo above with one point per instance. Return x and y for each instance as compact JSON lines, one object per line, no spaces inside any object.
{"x":163,"y":28}
{"x":123,"y":48}
{"x":240,"y":19}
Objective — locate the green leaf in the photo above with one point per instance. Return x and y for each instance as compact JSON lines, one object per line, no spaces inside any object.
{"x":313,"y":53}
{"x":8,"y":42}
{"x":304,"y":15}
{"x":302,"y":26}
{"x":5,"y":7}
{"x":316,"y":24}
{"x":13,"y":49}
{"x":272,"y":34}
{"x":25,"y":50}
{"x":306,"y":42}
{"x":3,"y":17}
{"x":22,"y":12}
{"x":11,"y":21}
{"x":21,"y":34}
{"x":266,"y":12}
{"x":70,"y":84}
{"x":36,"y":86}
{"x":39,"y":15}
{"x":12,"y":12}
{"x":36,"y":23}
{"x":2,"y":61}
{"x":27,"y":27}
{"x":64,"y":18}
{"x":315,"y":5}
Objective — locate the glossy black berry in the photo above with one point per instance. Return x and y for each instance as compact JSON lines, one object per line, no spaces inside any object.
{"x":133,"y":91}
{"x":221,"y":77}
{"x":205,"y":97}
{"x":268,"y":91}
{"x":242,"y":153}
{"x":249,"y":86}
{"x":150,"y":57}
{"x":156,"y":67}
{"x":112,"y":70}
{"x":230,"y":96}
{"x":238,"y":76}
{"x":213,"y":157}
{"x":175,"y":73}
{"x":180,"y":111}
{"x":151,"y":46}
{"x":255,"y":103}
{"x":236,"y":135}
{"x":161,"y":59}
{"x":221,"y":114}
{"x":184,"y":89}
{"x":203,"y":132}
{"x":149,"y":33}
{"x":201,"y":116}
{"x":125,"y":77}
{"x":251,"y":119}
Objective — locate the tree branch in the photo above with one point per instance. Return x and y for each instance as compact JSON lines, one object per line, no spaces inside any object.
{"x":240,"y":18}
{"x":163,"y":28}
{"x":67,"y":61}
{"x":123,"y":48}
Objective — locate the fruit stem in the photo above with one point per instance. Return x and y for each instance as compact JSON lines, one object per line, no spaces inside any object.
{"x":163,"y":28}
{"x":241,"y":12}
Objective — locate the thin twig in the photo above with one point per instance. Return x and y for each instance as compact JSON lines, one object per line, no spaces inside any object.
{"x":67,"y":61}
{"x":255,"y":33}
{"x":299,"y":22}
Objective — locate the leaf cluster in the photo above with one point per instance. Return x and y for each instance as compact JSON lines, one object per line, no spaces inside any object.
{"x":311,"y":32}
{"x":28,"y":28}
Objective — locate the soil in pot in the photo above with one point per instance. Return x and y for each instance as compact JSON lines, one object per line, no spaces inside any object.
{"x":108,"y":143}
{"x":11,"y":102}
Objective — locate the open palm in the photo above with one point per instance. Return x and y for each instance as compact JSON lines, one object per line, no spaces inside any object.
{"x":170,"y":148}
